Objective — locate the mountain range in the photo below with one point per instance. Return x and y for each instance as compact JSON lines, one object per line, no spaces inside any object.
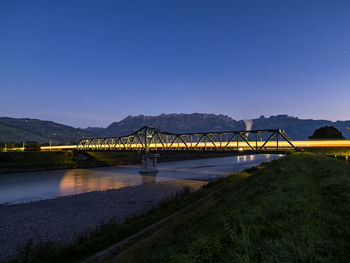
{"x":24,"y":129}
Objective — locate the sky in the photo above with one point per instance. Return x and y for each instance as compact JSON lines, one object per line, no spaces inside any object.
{"x":90,"y":62}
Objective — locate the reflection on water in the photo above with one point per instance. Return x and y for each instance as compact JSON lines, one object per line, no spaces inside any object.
{"x":25,"y":187}
{"x":81,"y":181}
{"x":245,"y":158}
{"x":149,"y":178}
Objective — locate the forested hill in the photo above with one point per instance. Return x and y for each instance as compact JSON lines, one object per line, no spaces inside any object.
{"x":18,"y":130}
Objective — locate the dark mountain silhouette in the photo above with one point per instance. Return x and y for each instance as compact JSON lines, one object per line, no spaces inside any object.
{"x":18,"y":130}
{"x":297,"y":129}
{"x":176,"y":123}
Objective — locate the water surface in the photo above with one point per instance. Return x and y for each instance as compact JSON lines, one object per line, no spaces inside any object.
{"x":33,"y":186}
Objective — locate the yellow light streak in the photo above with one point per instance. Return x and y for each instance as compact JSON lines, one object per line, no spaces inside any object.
{"x":219,"y":145}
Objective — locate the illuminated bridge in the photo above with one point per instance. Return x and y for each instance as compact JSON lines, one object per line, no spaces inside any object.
{"x":153,"y":139}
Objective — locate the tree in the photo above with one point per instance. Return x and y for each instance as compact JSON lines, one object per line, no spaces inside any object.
{"x":32,"y":146}
{"x":327,"y":132}
{"x":4,"y":146}
{"x":11,"y":145}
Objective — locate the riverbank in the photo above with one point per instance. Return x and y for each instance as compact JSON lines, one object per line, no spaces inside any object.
{"x":19,"y":162}
{"x":292,"y":209}
{"x":100,"y":236}
{"x":62,"y":220}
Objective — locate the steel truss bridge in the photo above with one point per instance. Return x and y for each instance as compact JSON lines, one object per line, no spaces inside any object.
{"x":153,"y":139}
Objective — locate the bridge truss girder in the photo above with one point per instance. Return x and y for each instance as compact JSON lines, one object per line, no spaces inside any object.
{"x":153,"y":139}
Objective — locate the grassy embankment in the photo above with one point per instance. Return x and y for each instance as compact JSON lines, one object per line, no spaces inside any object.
{"x":338,"y":152}
{"x":296,"y":209}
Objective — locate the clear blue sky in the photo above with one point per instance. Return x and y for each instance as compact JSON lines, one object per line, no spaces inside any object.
{"x":88,"y":63}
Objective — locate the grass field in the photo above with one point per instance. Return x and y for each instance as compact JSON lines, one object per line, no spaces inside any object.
{"x":296,"y":209}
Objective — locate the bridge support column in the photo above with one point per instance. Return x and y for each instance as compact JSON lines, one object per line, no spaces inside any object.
{"x":149,"y":163}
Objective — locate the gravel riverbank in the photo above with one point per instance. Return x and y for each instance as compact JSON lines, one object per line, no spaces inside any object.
{"x":64,"y":218}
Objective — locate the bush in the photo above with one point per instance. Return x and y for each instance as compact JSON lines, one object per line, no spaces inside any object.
{"x":327,"y":132}
{"x":32,"y":146}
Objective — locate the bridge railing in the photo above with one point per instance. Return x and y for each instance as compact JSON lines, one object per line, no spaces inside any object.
{"x":151,"y":138}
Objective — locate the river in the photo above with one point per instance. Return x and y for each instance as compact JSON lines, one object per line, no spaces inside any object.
{"x":34,"y":186}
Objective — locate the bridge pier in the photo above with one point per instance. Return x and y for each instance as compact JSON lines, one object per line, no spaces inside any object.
{"x":149,"y":163}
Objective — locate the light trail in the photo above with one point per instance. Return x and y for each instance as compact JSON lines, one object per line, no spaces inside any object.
{"x":218,"y":145}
